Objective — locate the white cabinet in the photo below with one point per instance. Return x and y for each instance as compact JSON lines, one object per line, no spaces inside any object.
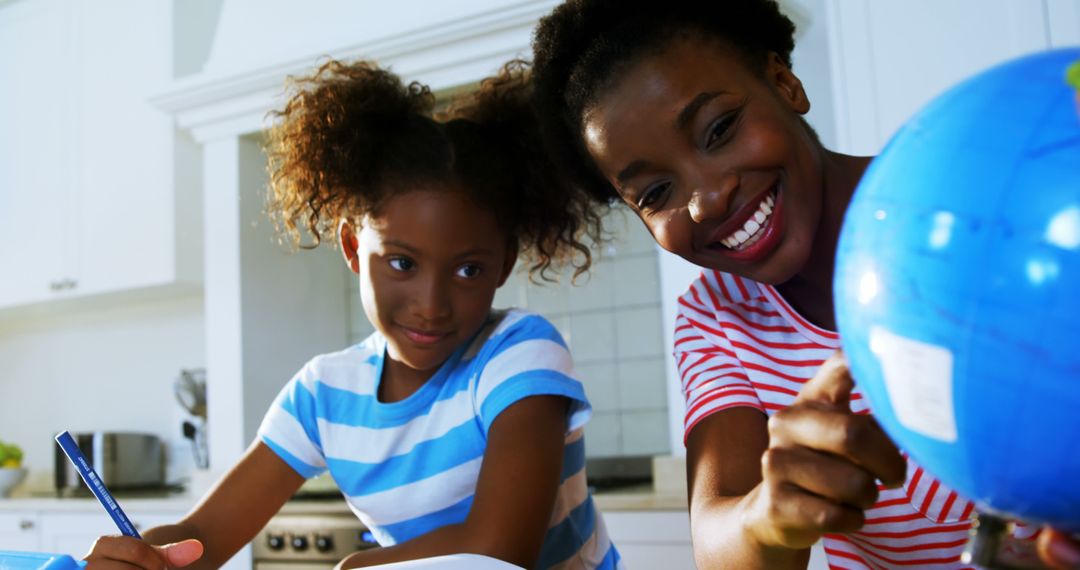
{"x":75,"y":533}
{"x":35,"y":109}
{"x":652,"y":539}
{"x":72,"y":533}
{"x":19,"y":530}
{"x":891,"y":57}
{"x":97,"y":191}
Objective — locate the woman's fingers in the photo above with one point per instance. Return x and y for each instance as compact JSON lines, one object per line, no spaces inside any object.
{"x":831,"y":384}
{"x":855,"y":438}
{"x":1058,"y":550}
{"x":789,"y":517}
{"x":821,"y":475}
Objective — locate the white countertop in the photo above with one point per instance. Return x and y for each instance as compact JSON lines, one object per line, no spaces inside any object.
{"x":632,"y":499}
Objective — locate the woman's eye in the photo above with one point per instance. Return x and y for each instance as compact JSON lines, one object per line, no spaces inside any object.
{"x":652,"y":196}
{"x":721,"y":129}
{"x":401,"y":263}
{"x":469,"y":271}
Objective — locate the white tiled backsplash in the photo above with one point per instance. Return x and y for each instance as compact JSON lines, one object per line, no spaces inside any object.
{"x":611,"y":319}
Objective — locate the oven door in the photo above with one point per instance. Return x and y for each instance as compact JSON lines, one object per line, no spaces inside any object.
{"x":309,"y":541}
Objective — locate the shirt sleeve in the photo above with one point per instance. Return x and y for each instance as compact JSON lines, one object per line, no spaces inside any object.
{"x":712,"y":377}
{"x":290,"y":427}
{"x":528,"y":358}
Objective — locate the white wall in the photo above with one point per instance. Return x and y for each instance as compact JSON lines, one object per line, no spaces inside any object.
{"x":109,"y":367}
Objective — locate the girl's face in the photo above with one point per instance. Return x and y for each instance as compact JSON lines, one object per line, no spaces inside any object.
{"x":429,"y":262}
{"x":713,"y":158}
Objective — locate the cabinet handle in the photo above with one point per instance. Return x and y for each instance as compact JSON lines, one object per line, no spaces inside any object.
{"x":26,"y":524}
{"x":63,"y":284}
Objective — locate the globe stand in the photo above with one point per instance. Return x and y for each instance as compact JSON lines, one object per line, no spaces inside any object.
{"x":991,"y":546}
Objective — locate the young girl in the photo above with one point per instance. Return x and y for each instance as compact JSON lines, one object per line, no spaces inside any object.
{"x":453,"y":428}
{"x":689,"y":112}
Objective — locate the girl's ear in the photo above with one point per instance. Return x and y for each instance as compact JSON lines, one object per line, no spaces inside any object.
{"x":349,"y":244}
{"x":787,"y":84}
{"x":508,"y":262}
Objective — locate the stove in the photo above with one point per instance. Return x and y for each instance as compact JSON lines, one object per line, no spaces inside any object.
{"x":309,"y":541}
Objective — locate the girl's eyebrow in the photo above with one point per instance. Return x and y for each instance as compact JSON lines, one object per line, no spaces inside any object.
{"x":477,"y":251}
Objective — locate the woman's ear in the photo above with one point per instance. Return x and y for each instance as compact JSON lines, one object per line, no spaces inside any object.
{"x":787,"y":84}
{"x":349,"y":244}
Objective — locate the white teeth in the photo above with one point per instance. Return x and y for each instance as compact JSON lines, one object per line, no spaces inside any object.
{"x":749,"y":233}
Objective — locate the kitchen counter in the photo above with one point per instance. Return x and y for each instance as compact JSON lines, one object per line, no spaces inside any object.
{"x":629,"y":499}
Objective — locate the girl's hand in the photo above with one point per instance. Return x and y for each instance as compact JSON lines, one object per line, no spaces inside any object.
{"x":1058,"y":550}
{"x":127,"y":552}
{"x":819,"y":472}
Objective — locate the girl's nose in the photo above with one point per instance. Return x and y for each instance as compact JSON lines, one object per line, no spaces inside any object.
{"x":432,"y":301}
{"x":712,"y":198}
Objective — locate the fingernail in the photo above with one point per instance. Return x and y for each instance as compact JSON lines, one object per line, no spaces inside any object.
{"x":1066,"y":552}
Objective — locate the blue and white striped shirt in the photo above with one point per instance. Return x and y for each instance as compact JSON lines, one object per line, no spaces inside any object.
{"x":409,"y":467}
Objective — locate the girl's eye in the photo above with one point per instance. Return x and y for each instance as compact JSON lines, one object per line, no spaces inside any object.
{"x":469,"y":271}
{"x":721,"y":130}
{"x":653,"y":196}
{"x":401,"y":263}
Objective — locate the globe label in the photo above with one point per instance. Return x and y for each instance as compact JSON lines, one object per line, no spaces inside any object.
{"x":919,"y":379}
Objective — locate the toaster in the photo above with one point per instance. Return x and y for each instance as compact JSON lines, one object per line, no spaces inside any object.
{"x":123,"y":460}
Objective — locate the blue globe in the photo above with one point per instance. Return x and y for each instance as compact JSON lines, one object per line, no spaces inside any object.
{"x":957,"y":289}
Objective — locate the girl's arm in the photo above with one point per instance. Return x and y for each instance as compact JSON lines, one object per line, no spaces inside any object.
{"x":763,"y":491}
{"x":226,"y":519}
{"x":514,"y":497}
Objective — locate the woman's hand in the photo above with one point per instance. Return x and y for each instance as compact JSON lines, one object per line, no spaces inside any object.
{"x":821,"y":468}
{"x":127,"y":552}
{"x":1059,"y":550}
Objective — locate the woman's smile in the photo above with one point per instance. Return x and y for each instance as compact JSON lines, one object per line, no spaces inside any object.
{"x":753,"y":231}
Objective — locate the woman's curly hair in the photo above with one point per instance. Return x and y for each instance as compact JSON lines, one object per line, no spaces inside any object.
{"x":353,"y":135}
{"x":580,"y":49}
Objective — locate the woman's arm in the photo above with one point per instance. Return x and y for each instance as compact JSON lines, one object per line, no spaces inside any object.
{"x":514,"y":497}
{"x":226,"y":519}
{"x":763,"y":491}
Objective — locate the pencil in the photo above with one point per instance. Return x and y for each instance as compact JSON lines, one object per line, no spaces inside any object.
{"x":96,"y":485}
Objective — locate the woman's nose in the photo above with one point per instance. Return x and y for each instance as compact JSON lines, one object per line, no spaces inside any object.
{"x":712,"y":198}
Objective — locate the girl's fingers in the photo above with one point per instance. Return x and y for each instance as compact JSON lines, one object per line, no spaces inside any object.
{"x":855,"y":438}
{"x":821,"y":475}
{"x":124,"y":552}
{"x":180,"y":554}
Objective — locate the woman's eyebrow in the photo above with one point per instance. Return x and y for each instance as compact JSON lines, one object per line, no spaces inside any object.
{"x":692,"y":108}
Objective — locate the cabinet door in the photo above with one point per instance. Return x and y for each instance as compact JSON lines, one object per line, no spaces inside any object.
{"x":19,"y":531}
{"x":652,"y":539}
{"x":34,"y":149}
{"x":75,"y":533}
{"x":124,"y":146}
{"x":891,"y":57}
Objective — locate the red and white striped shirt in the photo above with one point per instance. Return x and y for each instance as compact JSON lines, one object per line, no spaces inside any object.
{"x":739,"y":343}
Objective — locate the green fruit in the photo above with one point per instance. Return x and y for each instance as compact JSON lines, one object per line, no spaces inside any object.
{"x":1072,"y":75}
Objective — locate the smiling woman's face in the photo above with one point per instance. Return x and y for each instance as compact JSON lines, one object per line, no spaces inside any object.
{"x":713,"y":157}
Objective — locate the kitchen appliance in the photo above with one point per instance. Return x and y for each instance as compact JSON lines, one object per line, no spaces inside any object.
{"x":309,"y":541}
{"x":123,"y":460}
{"x":190,"y":391}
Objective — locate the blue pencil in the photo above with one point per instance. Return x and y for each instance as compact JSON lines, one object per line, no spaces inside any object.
{"x":93,"y":481}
